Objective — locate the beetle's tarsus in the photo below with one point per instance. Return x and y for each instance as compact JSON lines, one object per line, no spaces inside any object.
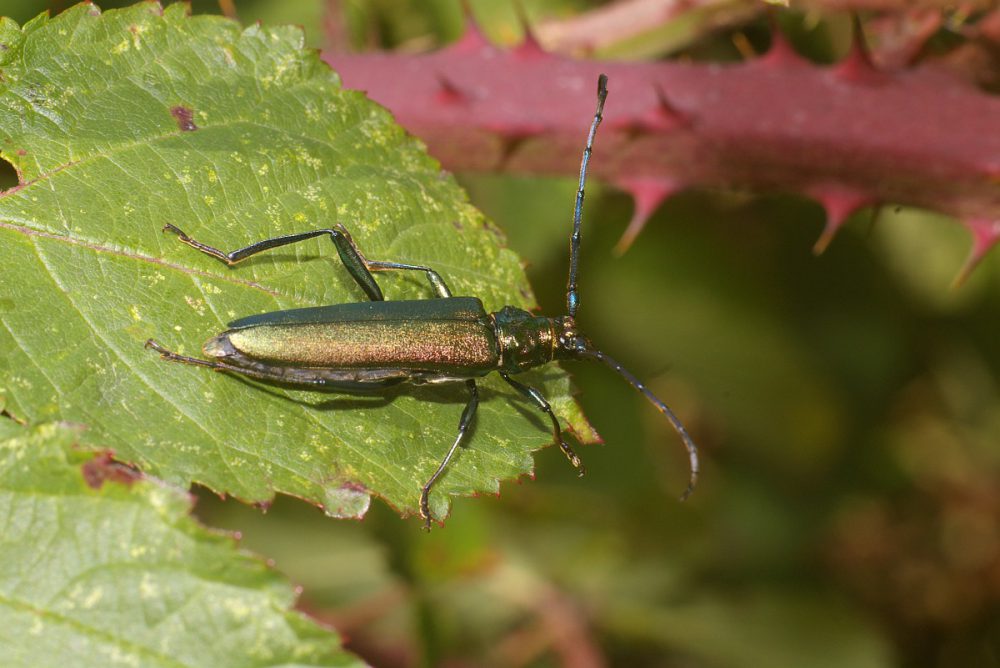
{"x":573,"y":458}
{"x":571,"y":455}
{"x":171,"y":356}
{"x":176,"y":230}
{"x":164,"y":353}
{"x":425,"y":510}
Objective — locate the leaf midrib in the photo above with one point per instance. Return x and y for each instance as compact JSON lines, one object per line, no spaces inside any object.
{"x":114,"y":641}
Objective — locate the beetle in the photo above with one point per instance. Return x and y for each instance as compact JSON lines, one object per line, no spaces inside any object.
{"x":369,"y":346}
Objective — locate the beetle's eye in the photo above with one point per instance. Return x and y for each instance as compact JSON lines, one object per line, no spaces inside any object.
{"x":568,"y":339}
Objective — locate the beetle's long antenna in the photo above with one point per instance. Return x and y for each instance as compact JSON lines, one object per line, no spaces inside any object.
{"x":572,"y":297}
{"x":689,"y":443}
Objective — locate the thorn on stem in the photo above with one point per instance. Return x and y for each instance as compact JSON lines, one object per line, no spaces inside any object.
{"x":985,"y":235}
{"x":839,"y":202}
{"x":858,"y":67}
{"x":648,"y":194}
{"x":781,"y":51}
{"x":513,"y":137}
{"x":530,"y":47}
{"x":450,"y":94}
{"x":472,"y":39}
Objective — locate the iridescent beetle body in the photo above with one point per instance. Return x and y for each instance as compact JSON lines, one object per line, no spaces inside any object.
{"x":388,"y":342}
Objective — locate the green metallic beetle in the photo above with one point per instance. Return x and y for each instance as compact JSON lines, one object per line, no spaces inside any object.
{"x":368,"y":346}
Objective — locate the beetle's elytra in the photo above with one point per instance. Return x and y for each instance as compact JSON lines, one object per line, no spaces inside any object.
{"x":368,"y":346}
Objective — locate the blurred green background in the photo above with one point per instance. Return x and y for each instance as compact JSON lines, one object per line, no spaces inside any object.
{"x":848,"y":408}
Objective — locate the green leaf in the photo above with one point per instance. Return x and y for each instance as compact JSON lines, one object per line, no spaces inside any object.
{"x":122,"y":122}
{"x":99,"y":567}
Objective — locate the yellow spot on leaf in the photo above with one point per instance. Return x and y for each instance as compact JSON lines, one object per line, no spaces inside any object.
{"x":148,"y":588}
{"x":93,"y":598}
{"x":197,"y":304}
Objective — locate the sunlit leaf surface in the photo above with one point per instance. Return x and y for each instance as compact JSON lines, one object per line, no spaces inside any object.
{"x":122,"y":122}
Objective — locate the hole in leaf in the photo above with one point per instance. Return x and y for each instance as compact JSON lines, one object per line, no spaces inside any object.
{"x":103,"y":468}
{"x":8,"y":175}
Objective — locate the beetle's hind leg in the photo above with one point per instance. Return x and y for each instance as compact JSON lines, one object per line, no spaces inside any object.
{"x":536,"y":397}
{"x":463,"y":427}
{"x":358,"y":266}
{"x":184,"y":359}
{"x":171,"y":356}
{"x":350,"y":256}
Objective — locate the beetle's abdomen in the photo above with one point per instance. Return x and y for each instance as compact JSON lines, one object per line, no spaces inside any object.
{"x":448,"y":335}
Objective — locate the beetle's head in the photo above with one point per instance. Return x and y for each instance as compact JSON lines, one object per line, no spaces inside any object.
{"x":570,"y":344}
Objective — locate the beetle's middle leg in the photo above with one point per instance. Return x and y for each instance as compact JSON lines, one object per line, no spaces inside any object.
{"x":536,"y":397}
{"x":463,"y":427}
{"x":435,"y":278}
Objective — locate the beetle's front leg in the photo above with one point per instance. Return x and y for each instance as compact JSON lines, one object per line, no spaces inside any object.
{"x":539,"y":400}
{"x":463,"y":427}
